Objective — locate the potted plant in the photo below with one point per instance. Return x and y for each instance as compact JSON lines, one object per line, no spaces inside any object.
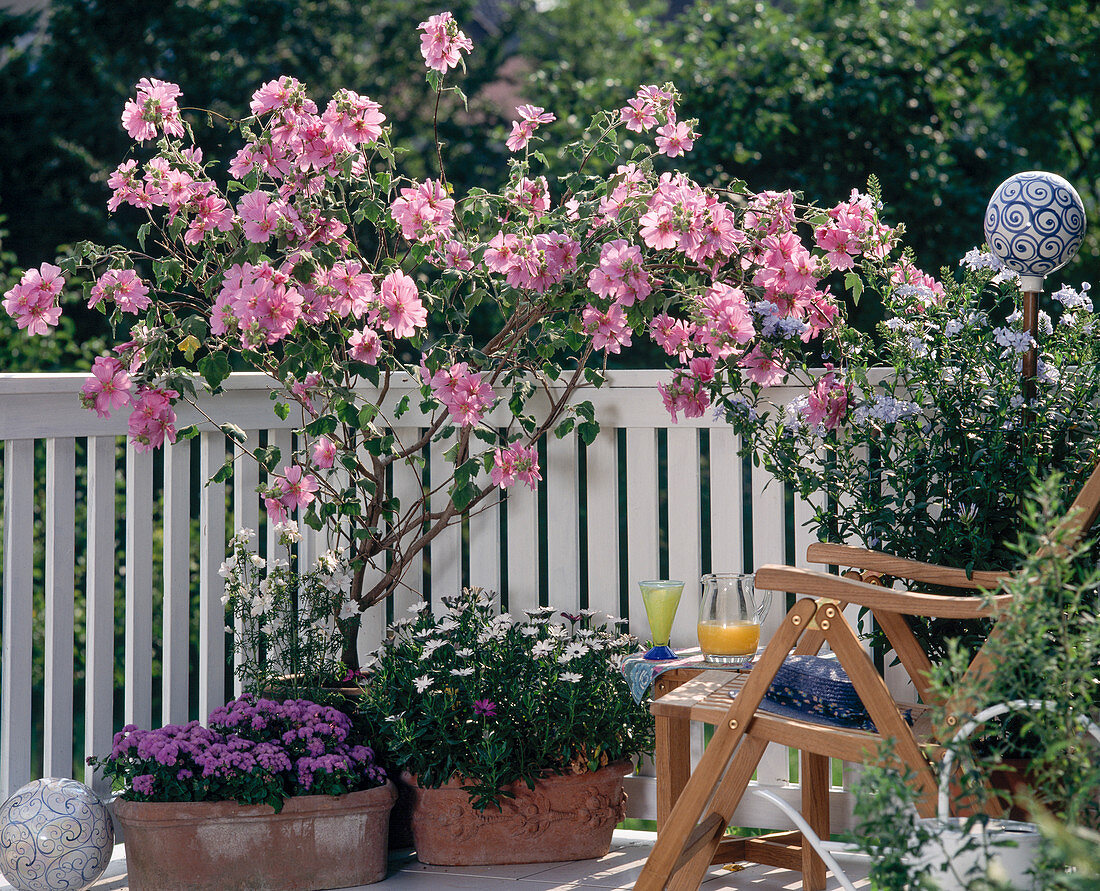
{"x":305,"y":254}
{"x":1045,"y":652}
{"x":514,"y":735}
{"x":268,"y":795}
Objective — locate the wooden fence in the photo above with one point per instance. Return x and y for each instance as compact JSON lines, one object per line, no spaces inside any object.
{"x":648,"y":498}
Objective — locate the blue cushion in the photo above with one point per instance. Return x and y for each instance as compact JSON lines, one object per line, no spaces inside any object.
{"x":816,"y":688}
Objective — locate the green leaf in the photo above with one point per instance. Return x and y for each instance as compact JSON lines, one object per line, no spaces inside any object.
{"x":282,"y":410}
{"x":214,"y":368}
{"x":367,"y":414}
{"x":402,"y":407}
{"x":233,"y":432}
{"x":224,"y":472}
{"x":142,"y":233}
{"x":588,"y":431}
{"x":564,"y":427}
{"x":854,"y":284}
{"x":322,"y":426}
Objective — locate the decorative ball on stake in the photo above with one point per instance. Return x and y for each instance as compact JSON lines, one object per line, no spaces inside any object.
{"x":1035,"y":224}
{"x":55,"y":835}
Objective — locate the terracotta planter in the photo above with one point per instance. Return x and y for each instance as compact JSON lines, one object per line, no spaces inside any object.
{"x":563,"y":818}
{"x":316,"y":842}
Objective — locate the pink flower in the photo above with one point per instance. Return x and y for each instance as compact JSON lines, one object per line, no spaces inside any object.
{"x":684,"y":394}
{"x":297,"y":487}
{"x":531,"y":116}
{"x":762,"y":369}
{"x":124,"y":287}
{"x":639,"y":115}
{"x":607,"y":328}
{"x":621,"y":274}
{"x":324,"y":452}
{"x":154,"y":106}
{"x":827,"y":402}
{"x":152,"y":421}
{"x":107,"y":388}
{"x":365,"y":346}
{"x":353,"y":117}
{"x":672,"y":335}
{"x":515,"y":462}
{"x":464,"y":394}
{"x":33,"y":303}
{"x":442,"y":43}
{"x":402,"y":310}
{"x":258,"y":216}
{"x":674,"y":138}
{"x":531,"y":194}
{"x":424,"y":213}
{"x":276,"y":510}
{"x":455,"y":256}
{"x":286,"y":92}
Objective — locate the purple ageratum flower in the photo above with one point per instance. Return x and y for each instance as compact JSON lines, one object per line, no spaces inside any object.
{"x":485,"y":707}
{"x":144,"y":784}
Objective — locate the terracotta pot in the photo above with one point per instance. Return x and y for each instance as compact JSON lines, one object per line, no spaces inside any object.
{"x":563,"y":818}
{"x":316,"y":842}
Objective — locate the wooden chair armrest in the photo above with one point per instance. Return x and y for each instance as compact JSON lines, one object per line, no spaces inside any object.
{"x":876,"y":597}
{"x":899,"y":567}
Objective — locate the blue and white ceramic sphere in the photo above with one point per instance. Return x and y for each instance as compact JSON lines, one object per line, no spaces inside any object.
{"x":55,"y":835}
{"x":1035,"y":223}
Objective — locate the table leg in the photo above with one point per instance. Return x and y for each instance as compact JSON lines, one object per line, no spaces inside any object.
{"x":672,"y":756}
{"x":814,"y":778}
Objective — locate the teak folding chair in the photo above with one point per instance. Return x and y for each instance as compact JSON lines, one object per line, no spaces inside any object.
{"x":691,"y":837}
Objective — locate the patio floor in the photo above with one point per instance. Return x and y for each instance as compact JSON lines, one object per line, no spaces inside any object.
{"x":617,"y":870}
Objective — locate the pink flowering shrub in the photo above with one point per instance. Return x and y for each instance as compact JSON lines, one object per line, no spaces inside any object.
{"x":307,"y":255}
{"x":254,"y":751}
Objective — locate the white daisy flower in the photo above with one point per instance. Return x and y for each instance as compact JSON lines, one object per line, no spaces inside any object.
{"x":465,"y":652}
{"x":529,"y":630}
{"x":463,"y":672}
{"x":542,"y":648}
{"x":422,"y":683}
{"x":418,"y":607}
{"x":431,"y":646}
{"x":570,"y":677}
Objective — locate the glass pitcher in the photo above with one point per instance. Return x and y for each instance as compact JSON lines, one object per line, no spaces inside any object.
{"x":730,"y":613}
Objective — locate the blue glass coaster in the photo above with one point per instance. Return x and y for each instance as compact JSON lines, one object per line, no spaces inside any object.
{"x":661,"y":654}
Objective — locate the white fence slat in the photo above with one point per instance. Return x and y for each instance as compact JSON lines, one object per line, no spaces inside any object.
{"x":602,"y":502}
{"x":57,"y":706}
{"x":684,"y":532}
{"x":372,"y":622}
{"x":523,"y":549}
{"x":18,"y":622}
{"x":769,"y":546}
{"x":211,"y":586}
{"x":726,"y":502}
{"x":246,"y":513}
{"x":563,"y":523}
{"x":485,"y":543}
{"x":176,"y":611}
{"x":446,"y":548}
{"x":642,"y":554}
{"x":99,"y":657}
{"x":406,"y":489}
{"x":138,"y":702}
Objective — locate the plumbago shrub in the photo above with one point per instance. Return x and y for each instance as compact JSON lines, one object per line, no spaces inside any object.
{"x":254,"y":751}
{"x":922,"y":444}
{"x":474,"y":695}
{"x":305,"y":254}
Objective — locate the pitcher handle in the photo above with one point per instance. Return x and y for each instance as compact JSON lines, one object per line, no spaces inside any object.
{"x":762,"y":610}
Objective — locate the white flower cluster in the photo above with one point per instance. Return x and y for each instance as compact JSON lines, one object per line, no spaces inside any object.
{"x":1013,"y":341}
{"x":977,"y":258}
{"x":1072,"y":299}
{"x":924,"y":295}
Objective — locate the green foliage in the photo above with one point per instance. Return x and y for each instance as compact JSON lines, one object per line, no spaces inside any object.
{"x":470,"y":694}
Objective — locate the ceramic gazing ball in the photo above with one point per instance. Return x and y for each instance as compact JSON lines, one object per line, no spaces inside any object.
{"x":55,"y":835}
{"x":1035,"y":223}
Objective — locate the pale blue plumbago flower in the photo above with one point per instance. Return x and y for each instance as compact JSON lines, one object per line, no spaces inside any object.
{"x":463,"y":672}
{"x":1016,"y":401}
{"x":792,"y":413}
{"x":790,"y":327}
{"x":953,"y":327}
{"x":1046,"y":326}
{"x":570,"y":677}
{"x":917,"y":346}
{"x":896,"y":324}
{"x":1048,"y":374}
{"x":1013,"y":341}
{"x":542,"y":648}
{"x":1072,"y":299}
{"x":924,"y":295}
{"x":422,"y":683}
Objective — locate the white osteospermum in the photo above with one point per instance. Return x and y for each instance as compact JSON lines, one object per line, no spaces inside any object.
{"x":418,"y":607}
{"x":463,"y":672}
{"x":464,"y":653}
{"x":431,"y":646}
{"x":529,"y":630}
{"x":422,"y":683}
{"x":570,"y":677}
{"x":587,"y":613}
{"x":542,"y":648}
{"x":447,"y":624}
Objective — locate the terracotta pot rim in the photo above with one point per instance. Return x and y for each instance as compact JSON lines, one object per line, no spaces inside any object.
{"x":456,"y":782}
{"x":295,"y":807}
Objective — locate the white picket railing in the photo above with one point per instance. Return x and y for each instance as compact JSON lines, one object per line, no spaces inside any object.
{"x":88,"y":463}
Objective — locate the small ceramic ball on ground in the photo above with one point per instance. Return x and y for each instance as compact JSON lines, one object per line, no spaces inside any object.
{"x":55,"y":835}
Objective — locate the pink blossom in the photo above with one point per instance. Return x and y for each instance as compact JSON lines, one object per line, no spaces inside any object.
{"x":124,"y":287}
{"x":455,"y":256}
{"x":353,"y":117}
{"x":365,"y":346}
{"x":515,"y":462}
{"x":402,"y":310}
{"x":639,"y":114}
{"x":534,"y":195}
{"x":350,"y":289}
{"x":154,"y":106}
{"x":464,"y":394}
{"x":212,"y":213}
{"x":285,"y":92}
{"x":827,"y":402}
{"x":33,"y":303}
{"x":620,"y":274}
{"x":107,"y":388}
{"x":297,"y":487}
{"x":152,"y":420}
{"x":531,"y":116}
{"x":324,"y":452}
{"x":675,"y":138}
{"x":762,"y":369}
{"x":276,"y":510}
{"x":685,"y":395}
{"x":727,"y":320}
{"x":672,"y":335}
{"x":258,"y":216}
{"x":425,"y":213}
{"x":608,"y":328}
{"x":442,"y":43}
